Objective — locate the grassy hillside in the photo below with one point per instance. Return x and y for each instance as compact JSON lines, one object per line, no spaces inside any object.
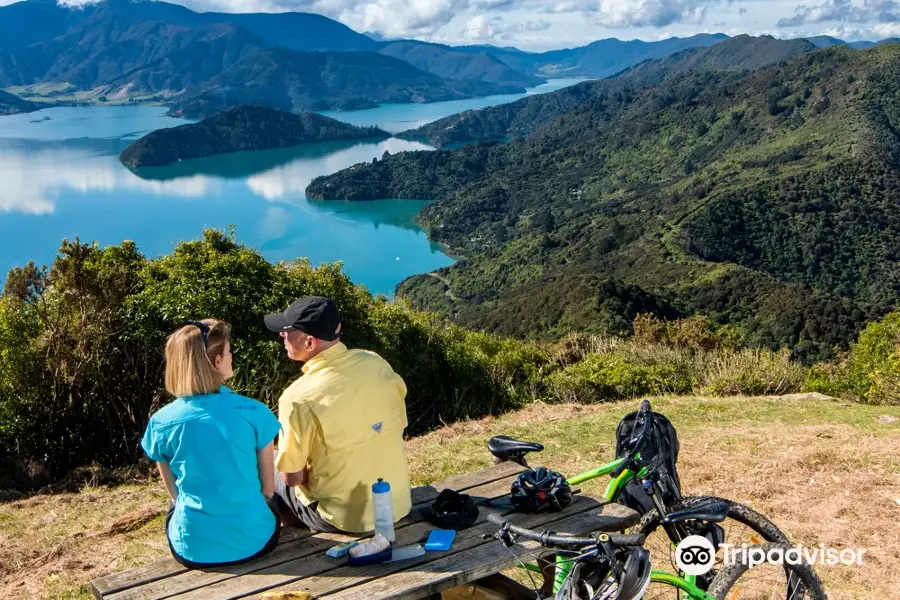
{"x":619,"y":205}
{"x":836,"y":484}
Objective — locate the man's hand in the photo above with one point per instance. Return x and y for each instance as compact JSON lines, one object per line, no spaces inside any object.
{"x":298,"y":478}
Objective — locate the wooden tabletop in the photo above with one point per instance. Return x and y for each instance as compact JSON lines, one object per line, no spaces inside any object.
{"x":299,"y":562}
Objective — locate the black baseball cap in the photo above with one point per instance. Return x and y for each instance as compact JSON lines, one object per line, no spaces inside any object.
{"x":315,"y":315}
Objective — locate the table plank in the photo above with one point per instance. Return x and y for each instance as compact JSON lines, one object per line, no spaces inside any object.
{"x":460,"y":568}
{"x":189,"y":580}
{"x":414,"y":530}
{"x":347,"y":577}
{"x":104,"y":587}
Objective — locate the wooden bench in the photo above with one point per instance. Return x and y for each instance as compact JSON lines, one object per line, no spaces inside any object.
{"x":299,"y":562}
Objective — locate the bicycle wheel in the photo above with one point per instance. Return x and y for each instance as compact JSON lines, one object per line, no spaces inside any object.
{"x":743,"y":526}
{"x":741,"y":581}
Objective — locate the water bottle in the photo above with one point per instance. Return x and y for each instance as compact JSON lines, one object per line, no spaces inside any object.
{"x":384,"y":509}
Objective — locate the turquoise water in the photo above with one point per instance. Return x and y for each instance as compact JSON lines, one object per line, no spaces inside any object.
{"x":60,"y":178}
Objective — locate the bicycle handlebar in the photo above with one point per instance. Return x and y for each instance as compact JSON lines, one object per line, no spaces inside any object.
{"x":549,"y":538}
{"x":641,"y":440}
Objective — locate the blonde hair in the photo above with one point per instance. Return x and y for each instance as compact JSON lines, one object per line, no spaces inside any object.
{"x":190,"y":368}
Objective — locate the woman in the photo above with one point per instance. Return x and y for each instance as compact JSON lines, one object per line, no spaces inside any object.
{"x":214,"y":450}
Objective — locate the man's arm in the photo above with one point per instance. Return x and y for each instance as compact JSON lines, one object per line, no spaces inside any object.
{"x":298,"y":478}
{"x":295,"y":445}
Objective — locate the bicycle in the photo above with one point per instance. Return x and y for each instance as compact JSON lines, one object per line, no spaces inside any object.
{"x":611,"y":566}
{"x":679,"y":517}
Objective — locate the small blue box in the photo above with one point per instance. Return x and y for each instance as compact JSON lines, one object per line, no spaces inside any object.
{"x":440,"y":539}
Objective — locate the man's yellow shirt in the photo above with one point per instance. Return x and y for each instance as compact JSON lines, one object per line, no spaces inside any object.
{"x":344,"y":418}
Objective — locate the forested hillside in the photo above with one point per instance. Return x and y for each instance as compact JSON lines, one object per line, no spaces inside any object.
{"x":11,"y":105}
{"x":768,"y":200}
{"x":519,"y":119}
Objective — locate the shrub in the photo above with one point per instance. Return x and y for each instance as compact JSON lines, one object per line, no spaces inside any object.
{"x":612,"y":376}
{"x":751,"y":372}
{"x":870,"y":371}
{"x":82,"y":342}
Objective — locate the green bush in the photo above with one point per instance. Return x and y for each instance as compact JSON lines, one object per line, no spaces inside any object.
{"x":752,"y":372}
{"x":870,"y":371}
{"x":82,"y":345}
{"x":610,"y":376}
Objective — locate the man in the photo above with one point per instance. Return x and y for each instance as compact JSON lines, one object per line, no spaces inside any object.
{"x":342,"y":424}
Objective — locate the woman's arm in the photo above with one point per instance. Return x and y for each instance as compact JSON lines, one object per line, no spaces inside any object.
{"x":265,"y":463}
{"x":168,"y":479}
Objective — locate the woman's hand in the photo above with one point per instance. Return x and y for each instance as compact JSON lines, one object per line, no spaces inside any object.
{"x":168,"y":480}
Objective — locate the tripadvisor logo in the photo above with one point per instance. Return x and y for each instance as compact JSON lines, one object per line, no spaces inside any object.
{"x":695,"y":555}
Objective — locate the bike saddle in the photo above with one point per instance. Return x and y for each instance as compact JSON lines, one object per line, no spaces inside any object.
{"x":714,"y":511}
{"x":507,"y":448}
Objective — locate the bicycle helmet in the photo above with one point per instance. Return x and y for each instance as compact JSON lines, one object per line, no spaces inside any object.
{"x":635,"y":577}
{"x":540,"y":490}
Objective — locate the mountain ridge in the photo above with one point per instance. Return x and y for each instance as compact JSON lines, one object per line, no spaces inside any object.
{"x":619,"y":206}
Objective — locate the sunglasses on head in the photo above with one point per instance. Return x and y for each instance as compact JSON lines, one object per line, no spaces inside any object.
{"x":204,"y":331}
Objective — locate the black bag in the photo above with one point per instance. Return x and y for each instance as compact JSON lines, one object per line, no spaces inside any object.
{"x":660,"y":454}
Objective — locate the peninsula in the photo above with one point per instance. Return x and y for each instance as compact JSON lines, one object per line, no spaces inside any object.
{"x":240,"y":128}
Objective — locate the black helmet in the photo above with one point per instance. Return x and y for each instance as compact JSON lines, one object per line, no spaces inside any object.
{"x":540,"y":490}
{"x":635,"y":576}
{"x":452,"y":510}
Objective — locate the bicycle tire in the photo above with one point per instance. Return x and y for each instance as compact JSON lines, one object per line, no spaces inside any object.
{"x":737,"y":511}
{"x":741,"y":513}
{"x":728,"y":577}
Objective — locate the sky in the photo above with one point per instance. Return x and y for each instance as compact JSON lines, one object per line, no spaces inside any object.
{"x":539,"y":25}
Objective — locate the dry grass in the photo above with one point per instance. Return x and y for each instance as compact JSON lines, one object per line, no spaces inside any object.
{"x":825,"y":472}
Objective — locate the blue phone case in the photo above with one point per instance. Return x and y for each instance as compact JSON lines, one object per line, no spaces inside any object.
{"x":440,"y":539}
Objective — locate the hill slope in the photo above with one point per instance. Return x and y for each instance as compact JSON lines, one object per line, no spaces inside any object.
{"x":299,"y":81}
{"x":619,"y":206}
{"x":520,"y":118}
{"x":122,"y":48}
{"x":237,"y":129}
{"x":446,"y":62}
{"x":11,"y":105}
{"x":607,"y":57}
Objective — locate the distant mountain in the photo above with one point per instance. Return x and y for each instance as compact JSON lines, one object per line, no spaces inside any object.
{"x":240,"y":128}
{"x":302,"y":81}
{"x":11,"y":105}
{"x":604,"y":57}
{"x":521,"y":118}
{"x":25,"y":23}
{"x":113,"y":46}
{"x":826,"y":41}
{"x":202,"y":64}
{"x":449,"y":63}
{"x":764,"y":199}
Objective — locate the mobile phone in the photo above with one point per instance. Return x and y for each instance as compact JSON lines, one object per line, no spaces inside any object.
{"x":440,"y":539}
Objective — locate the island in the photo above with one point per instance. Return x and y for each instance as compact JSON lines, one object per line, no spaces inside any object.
{"x":236,"y":129}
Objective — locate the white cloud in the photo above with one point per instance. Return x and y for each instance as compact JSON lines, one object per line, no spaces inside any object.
{"x":30,"y":183}
{"x":495,"y":29}
{"x":882,"y":11}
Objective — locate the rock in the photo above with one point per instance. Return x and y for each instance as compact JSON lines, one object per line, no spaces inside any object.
{"x":886,"y":419}
{"x":805,"y":396}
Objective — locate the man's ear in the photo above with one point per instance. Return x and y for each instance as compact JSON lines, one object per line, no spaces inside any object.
{"x":337,"y":331}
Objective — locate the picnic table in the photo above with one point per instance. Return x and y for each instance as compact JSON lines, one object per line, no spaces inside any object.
{"x":299,"y":563}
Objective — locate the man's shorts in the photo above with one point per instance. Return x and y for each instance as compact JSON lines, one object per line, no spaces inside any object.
{"x":308,"y":515}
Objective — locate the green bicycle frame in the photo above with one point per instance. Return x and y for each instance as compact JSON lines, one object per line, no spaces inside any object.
{"x":613,"y":489}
